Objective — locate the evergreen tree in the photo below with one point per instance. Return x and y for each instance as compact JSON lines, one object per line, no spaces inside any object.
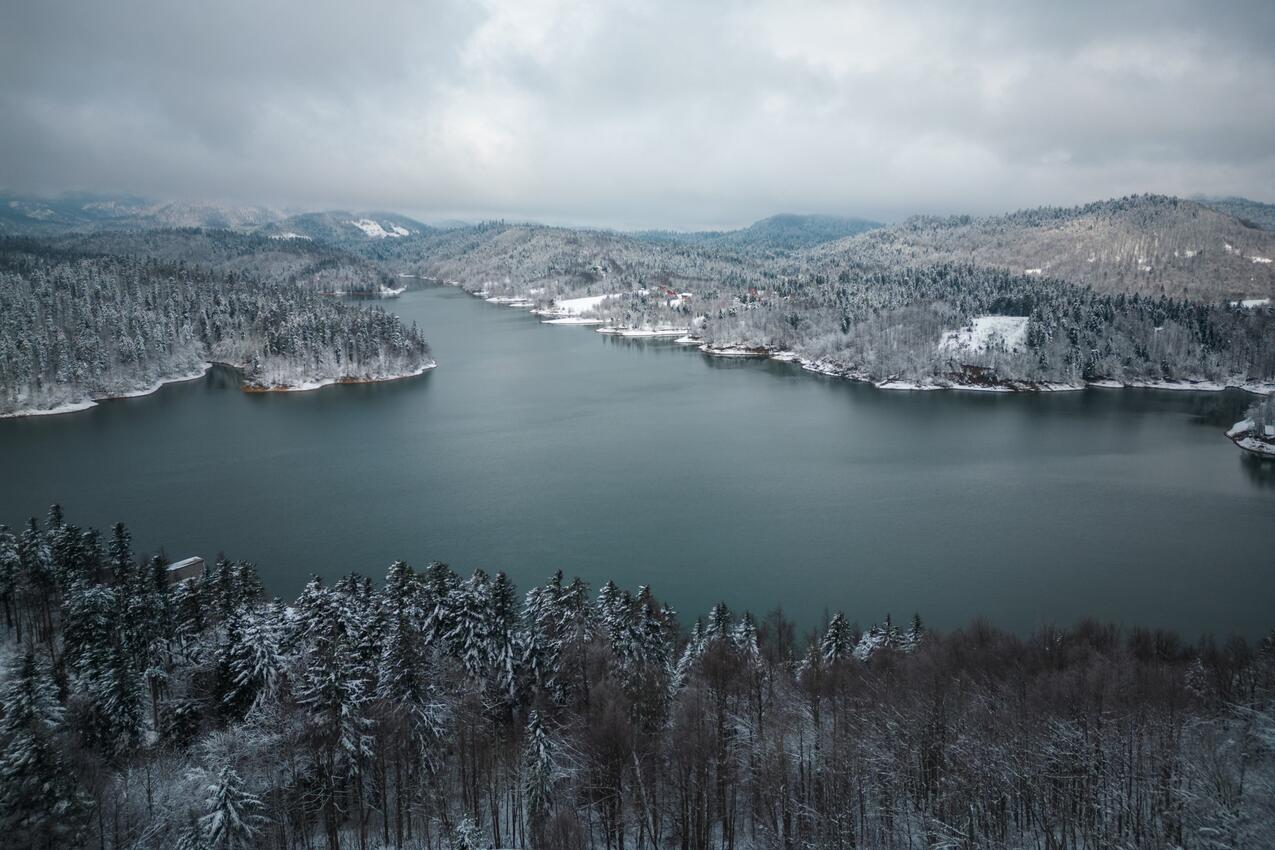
{"x":40,"y":806}
{"x":537,"y":778}
{"x":233,"y":819}
{"x":468,"y":639}
{"x":838,"y":640}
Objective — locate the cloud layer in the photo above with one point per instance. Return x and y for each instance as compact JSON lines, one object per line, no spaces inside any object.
{"x":637,"y":113}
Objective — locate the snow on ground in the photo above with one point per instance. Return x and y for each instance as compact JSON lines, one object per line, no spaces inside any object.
{"x":733,"y":351}
{"x":579,"y":305}
{"x":85,"y":404}
{"x":1250,"y":303}
{"x":987,"y":332}
{"x":1242,"y":433}
{"x":306,"y":386}
{"x":69,"y":407}
{"x":290,"y":235}
{"x":383,"y":292}
{"x":571,"y":320}
{"x":373,"y":230}
{"x":1033,"y":271}
{"x":643,"y":331}
{"x":1260,"y":259}
{"x":907,"y":385}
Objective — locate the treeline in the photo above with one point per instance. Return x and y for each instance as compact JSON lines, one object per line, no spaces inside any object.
{"x":441,"y":711}
{"x":74,"y":327}
{"x":887,"y":324}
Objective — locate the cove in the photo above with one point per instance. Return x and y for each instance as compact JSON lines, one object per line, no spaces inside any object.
{"x":534,"y":448}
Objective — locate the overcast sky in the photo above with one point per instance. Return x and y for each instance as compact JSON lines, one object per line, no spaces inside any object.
{"x":683,"y":114}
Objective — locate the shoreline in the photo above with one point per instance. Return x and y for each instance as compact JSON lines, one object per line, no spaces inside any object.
{"x":86,"y":404}
{"x":1244,"y":435}
{"x":94,"y":401}
{"x":328,"y":382}
{"x":832,"y":369}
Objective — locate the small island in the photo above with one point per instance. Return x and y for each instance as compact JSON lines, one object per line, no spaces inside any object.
{"x":1256,"y":432}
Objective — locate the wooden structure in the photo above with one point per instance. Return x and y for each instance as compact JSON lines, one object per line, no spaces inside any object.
{"x":186,"y":568}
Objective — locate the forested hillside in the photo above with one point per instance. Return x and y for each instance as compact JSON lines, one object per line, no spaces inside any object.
{"x":517,"y":259}
{"x":777,"y":233}
{"x":1254,"y":213}
{"x":1145,"y":244}
{"x":449,"y":711}
{"x":76,"y":327}
{"x":313,"y":264}
{"x":84,"y":212}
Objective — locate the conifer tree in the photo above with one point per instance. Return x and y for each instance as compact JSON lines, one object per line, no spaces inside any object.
{"x":40,"y":806}
{"x":538,"y":771}
{"x":233,"y":819}
{"x":838,"y":640}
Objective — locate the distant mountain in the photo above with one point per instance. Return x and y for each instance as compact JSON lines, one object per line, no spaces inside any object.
{"x":785,"y":232}
{"x":343,"y":228}
{"x":1255,"y":213}
{"x":27,"y":215}
{"x":1149,"y":244}
{"x":80,"y":212}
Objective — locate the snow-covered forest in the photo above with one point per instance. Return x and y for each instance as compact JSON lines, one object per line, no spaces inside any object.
{"x":76,"y":327}
{"x":878,"y":305}
{"x":439,"y":710}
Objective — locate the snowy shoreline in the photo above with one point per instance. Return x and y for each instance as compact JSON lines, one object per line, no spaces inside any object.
{"x":307,"y":386}
{"x":833,"y":369}
{"x":1244,"y":434}
{"x":85,"y":404}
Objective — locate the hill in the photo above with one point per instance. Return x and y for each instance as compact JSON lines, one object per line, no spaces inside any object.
{"x":786,"y":232}
{"x":86,"y":213}
{"x":342,"y":228}
{"x":1253,"y":213}
{"x":309,"y":263}
{"x":1148,"y":244}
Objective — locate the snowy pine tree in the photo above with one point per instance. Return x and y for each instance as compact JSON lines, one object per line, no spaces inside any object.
{"x":838,"y":640}
{"x":40,"y":806}
{"x":537,"y":783}
{"x":233,"y":816}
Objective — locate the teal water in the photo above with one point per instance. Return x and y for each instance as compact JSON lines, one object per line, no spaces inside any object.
{"x":534,"y":448}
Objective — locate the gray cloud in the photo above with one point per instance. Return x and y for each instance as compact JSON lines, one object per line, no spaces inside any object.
{"x":643,"y":112}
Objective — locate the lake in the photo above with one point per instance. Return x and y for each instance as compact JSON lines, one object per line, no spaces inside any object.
{"x":533,"y":448}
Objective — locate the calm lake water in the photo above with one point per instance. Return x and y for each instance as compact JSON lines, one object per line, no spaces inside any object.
{"x":534,"y":448}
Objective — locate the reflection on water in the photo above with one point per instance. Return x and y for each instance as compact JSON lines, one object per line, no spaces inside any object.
{"x":1261,"y":471}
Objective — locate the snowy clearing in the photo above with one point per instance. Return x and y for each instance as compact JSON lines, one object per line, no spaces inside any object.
{"x":1251,"y":303}
{"x":987,"y":332}
{"x":581,"y":305}
{"x":373,"y":229}
{"x":290,"y":235}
